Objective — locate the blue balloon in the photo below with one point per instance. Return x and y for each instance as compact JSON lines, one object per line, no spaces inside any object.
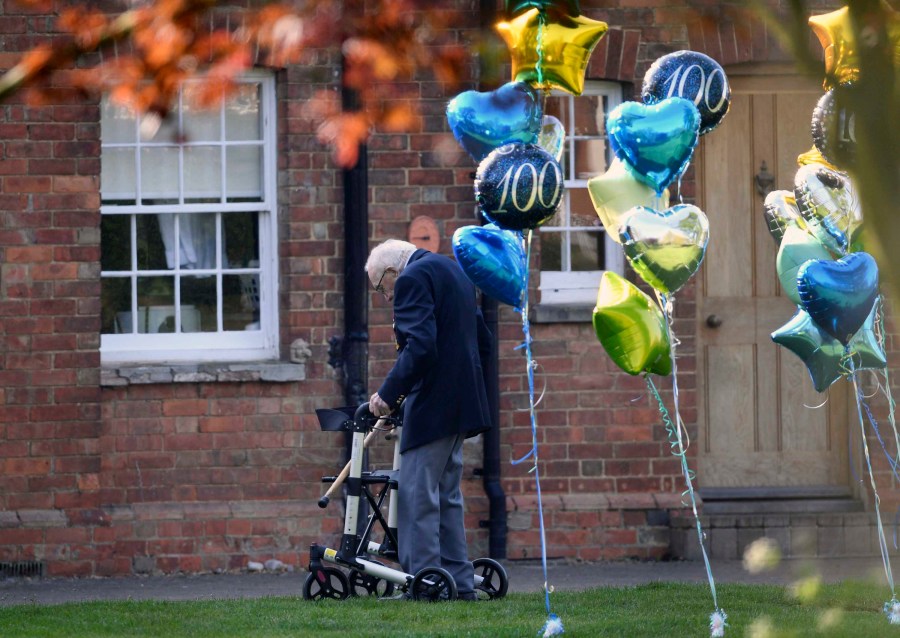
{"x":519,"y":186}
{"x":693,"y":76}
{"x":482,"y":122}
{"x":494,"y":260}
{"x":839,"y":295}
{"x":655,"y":141}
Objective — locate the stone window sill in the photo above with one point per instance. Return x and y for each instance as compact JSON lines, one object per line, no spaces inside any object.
{"x":561,"y":313}
{"x":267,"y":371}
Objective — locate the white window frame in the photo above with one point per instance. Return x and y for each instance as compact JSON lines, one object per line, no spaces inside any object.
{"x":219,"y":346}
{"x":580,"y":287}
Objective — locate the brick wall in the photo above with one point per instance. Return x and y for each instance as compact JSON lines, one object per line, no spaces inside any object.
{"x":205,"y":476}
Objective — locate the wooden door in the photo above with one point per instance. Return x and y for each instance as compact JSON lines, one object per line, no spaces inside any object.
{"x":759,"y":427}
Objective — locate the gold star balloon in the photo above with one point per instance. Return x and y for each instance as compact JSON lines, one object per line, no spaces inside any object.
{"x":551,"y":51}
{"x":835,"y":33}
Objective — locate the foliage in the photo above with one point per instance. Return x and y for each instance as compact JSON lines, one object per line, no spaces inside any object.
{"x":648,"y":610}
{"x":141,"y":55}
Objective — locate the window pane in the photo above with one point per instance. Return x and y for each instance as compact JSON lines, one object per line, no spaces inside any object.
{"x":117,"y":124}
{"x":241,"y":244}
{"x":244,"y":178}
{"x":558,"y":106}
{"x":115,"y":304}
{"x":117,"y":176}
{"x":156,"y":304}
{"x":551,"y":250}
{"x":590,"y":158}
{"x":242,"y":120}
{"x":198,"y":304}
{"x":240,"y":302}
{"x":115,"y":242}
{"x":588,"y":116}
{"x":198,"y":124}
{"x":202,"y":174}
{"x":151,"y":251}
{"x":581,"y":210}
{"x":587,"y":250}
{"x":159,"y":175}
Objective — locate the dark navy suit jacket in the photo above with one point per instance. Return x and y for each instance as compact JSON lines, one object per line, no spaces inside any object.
{"x":442,"y":338}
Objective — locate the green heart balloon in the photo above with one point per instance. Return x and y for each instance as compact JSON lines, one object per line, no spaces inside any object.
{"x":797,"y":247}
{"x":631,"y":327}
{"x":665,"y":248}
{"x":616,"y":192}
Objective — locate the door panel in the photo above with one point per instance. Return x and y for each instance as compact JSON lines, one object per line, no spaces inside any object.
{"x":762,"y":424}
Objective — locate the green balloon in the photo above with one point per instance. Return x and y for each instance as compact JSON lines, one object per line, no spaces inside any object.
{"x":797,"y":247}
{"x":631,"y":327}
{"x":665,"y":247}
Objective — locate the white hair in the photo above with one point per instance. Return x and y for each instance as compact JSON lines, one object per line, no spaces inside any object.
{"x":392,"y":253}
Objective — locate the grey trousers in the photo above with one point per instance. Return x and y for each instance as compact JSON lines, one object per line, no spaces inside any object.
{"x":430,"y":523}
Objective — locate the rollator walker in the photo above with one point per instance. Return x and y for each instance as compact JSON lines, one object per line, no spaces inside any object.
{"x":368,"y":576}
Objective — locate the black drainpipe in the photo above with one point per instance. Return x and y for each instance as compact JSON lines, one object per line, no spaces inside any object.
{"x":355,"y":342}
{"x":496,"y":522}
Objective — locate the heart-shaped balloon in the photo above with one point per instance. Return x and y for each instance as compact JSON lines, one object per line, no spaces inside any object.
{"x":665,"y":248}
{"x":631,"y":327}
{"x":839,"y":295}
{"x":484,"y":121}
{"x":519,"y":186}
{"x":781,"y":213}
{"x":656,"y":141}
{"x":827,"y":202}
{"x":552,"y":137}
{"x":616,"y":192}
{"x":797,"y":248}
{"x":494,"y":260}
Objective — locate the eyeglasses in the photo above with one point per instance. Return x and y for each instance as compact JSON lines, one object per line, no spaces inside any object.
{"x":378,"y":286}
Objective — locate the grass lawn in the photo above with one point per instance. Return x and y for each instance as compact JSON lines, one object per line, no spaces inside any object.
{"x":670,"y":610}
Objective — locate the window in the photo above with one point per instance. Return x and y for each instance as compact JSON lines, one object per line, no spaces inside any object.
{"x":188,"y":230}
{"x":575,"y":249}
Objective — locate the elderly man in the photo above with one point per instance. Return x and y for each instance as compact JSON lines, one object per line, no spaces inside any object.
{"x":441,"y":338}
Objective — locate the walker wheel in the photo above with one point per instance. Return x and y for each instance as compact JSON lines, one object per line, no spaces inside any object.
{"x":494,"y":581}
{"x":326,"y":582}
{"x":362,"y":584}
{"x":433,"y":584}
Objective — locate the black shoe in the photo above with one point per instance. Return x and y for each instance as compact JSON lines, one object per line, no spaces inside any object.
{"x":468,"y":596}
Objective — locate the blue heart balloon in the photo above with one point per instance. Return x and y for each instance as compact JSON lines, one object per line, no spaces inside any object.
{"x":482,"y":122}
{"x":692,"y":76}
{"x":839,"y":295}
{"x":655,"y":141}
{"x":494,"y":260}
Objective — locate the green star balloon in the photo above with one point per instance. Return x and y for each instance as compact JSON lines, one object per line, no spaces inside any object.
{"x":823,"y":354}
{"x":631,"y":327}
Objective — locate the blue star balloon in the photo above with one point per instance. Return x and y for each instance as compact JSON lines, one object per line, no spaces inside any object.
{"x":484,"y":121}
{"x":695,"y":77}
{"x":657,"y":141}
{"x":519,"y":186}
{"x":494,"y":260}
{"x":839,"y":295}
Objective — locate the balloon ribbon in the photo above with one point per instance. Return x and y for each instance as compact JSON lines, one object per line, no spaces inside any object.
{"x":553,"y":626}
{"x":679,"y":448}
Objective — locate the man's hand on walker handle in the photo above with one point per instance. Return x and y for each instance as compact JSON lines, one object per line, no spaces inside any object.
{"x":377,"y":406}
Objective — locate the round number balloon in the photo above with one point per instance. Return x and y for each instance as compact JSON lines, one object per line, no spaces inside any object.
{"x":834,"y":128}
{"x":519,"y":186}
{"x":694,"y":77}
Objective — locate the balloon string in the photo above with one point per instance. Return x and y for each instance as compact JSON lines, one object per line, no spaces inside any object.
{"x":879,"y":335}
{"x":533,"y":453}
{"x":677,"y":442}
{"x":874,"y":423}
{"x":882,"y":542}
{"x":539,"y":67}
